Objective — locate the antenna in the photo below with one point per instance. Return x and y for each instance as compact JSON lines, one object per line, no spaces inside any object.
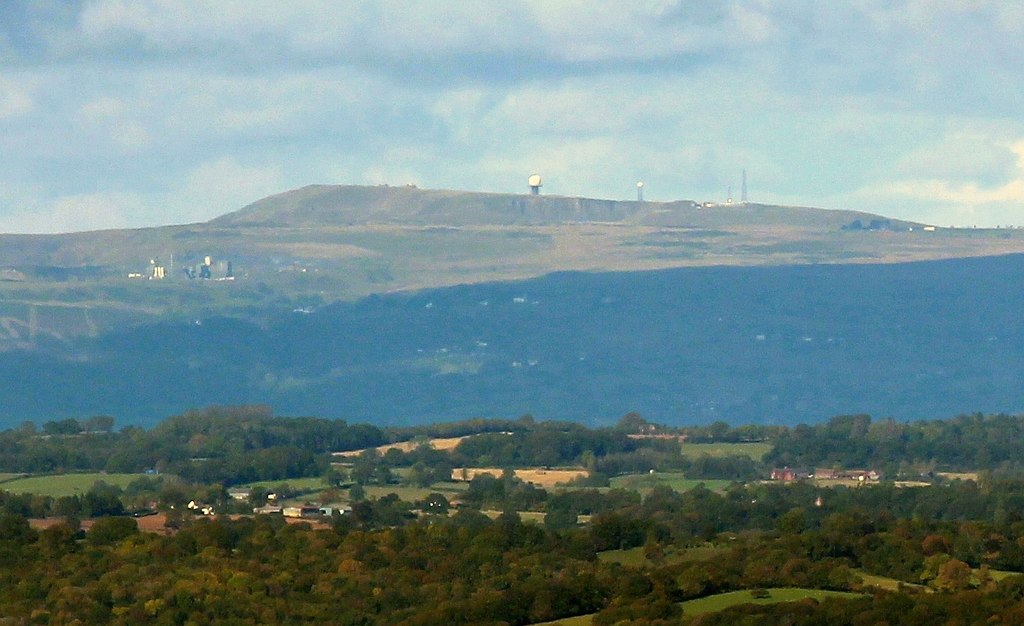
{"x":640,"y":191}
{"x":728,"y":197}
{"x":535,"y":184}
{"x":743,"y":189}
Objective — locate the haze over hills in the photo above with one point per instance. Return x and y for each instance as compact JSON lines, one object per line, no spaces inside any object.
{"x":112,"y":320}
{"x":327,"y":205}
{"x":782,"y":344}
{"x":323,"y":243}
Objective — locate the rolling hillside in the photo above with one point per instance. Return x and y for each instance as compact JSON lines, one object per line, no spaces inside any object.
{"x":743,"y":344}
{"x":320,"y":244}
{"x":402,"y":305}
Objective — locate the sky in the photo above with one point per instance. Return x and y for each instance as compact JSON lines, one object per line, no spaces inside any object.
{"x":131,"y":113}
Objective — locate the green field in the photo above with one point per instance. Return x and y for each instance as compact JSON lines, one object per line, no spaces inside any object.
{"x":884,"y":582}
{"x":4,"y":477}
{"x":59,"y":485}
{"x":635,"y":556}
{"x":997,"y":574}
{"x":411,"y":494}
{"x":704,"y":553}
{"x":675,"y":480}
{"x":723,"y":601}
{"x":534,"y":517}
{"x":299,"y":484}
{"x":756,"y":450}
{"x":406,"y":493}
{"x":580,"y":620}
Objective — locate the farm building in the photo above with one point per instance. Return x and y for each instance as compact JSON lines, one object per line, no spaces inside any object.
{"x":787,"y":474}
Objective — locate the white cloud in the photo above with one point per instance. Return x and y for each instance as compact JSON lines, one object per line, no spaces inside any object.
{"x":111,"y":119}
{"x":193,"y":109}
{"x":965,"y":153}
{"x":79,"y":212}
{"x":102,"y":109}
{"x":220,"y":186}
{"x":955,"y":199}
{"x":15,"y":99}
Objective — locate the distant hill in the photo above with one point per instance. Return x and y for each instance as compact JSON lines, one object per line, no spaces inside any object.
{"x":781,"y":344}
{"x":347,"y":205}
{"x":82,"y":306}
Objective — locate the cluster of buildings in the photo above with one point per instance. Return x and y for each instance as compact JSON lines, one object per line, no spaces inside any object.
{"x":274,"y":507}
{"x":204,"y":270}
{"x":789,"y":474}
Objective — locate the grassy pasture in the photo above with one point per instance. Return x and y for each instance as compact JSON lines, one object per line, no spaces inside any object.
{"x":883,"y":582}
{"x":703,"y":553}
{"x":958,"y":475}
{"x":755,"y":450}
{"x":405,"y":493}
{"x":635,"y":556}
{"x":722,"y":601}
{"x":59,"y":485}
{"x":997,"y":574}
{"x":534,"y":517}
{"x":677,"y":481}
{"x":4,"y":477}
{"x":311,"y":483}
{"x":579,"y":620}
{"x":409,"y":493}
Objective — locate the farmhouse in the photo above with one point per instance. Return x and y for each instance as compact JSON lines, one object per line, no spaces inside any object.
{"x":860,"y":475}
{"x":267,"y":509}
{"x":239,"y":493}
{"x":788,"y":474}
{"x":306,"y":510}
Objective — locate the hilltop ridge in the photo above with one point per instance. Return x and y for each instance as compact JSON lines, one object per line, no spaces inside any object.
{"x":339,"y":205}
{"x":303,"y":248}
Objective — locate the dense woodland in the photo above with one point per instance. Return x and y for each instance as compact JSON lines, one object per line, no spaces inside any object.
{"x":949,"y":550}
{"x":242,"y":444}
{"x":373,"y":567}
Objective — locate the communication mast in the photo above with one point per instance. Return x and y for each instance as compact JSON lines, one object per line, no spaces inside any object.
{"x":640,"y":191}
{"x":743,"y":189}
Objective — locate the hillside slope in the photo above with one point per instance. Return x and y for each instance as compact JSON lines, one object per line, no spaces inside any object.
{"x":742,"y":344}
{"x":346,"y":205}
{"x":311,"y":246}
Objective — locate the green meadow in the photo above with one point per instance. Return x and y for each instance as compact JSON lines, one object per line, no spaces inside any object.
{"x":722,"y":601}
{"x":755,"y":450}
{"x":58,"y":485}
{"x":579,"y":620}
{"x":676,"y":480}
{"x":298,"y":484}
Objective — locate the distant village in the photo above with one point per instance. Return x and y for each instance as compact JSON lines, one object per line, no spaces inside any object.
{"x":790,"y":474}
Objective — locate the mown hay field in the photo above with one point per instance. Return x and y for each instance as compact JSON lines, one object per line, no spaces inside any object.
{"x":438,"y":443}
{"x":540,"y":476}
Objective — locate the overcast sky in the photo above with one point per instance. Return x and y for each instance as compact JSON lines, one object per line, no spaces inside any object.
{"x":136,"y":113}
